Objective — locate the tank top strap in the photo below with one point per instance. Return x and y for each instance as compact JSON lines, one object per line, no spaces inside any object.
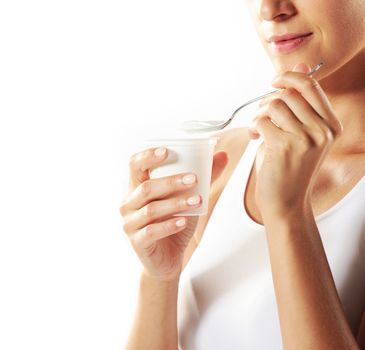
{"x":234,"y":190}
{"x":239,"y":177}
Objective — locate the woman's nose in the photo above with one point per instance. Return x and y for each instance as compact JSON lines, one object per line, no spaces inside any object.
{"x":276,"y":10}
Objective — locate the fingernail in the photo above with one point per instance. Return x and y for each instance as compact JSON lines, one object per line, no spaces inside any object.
{"x":180,"y":222}
{"x":188,"y":179}
{"x":159,"y":152}
{"x":193,"y":200}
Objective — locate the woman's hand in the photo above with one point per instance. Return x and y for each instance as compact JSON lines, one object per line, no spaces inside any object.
{"x":298,"y":127}
{"x":158,"y":237}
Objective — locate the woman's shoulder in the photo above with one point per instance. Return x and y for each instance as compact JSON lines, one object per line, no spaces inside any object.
{"x":233,"y":142}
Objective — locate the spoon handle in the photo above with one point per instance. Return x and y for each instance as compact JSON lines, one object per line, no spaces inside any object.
{"x":315,"y":68}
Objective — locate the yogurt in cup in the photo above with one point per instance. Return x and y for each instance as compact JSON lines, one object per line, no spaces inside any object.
{"x":193,"y":155}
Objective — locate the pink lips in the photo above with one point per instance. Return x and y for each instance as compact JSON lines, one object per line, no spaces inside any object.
{"x":289,"y":42}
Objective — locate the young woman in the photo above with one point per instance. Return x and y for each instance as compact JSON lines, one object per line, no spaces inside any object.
{"x":282,"y":260}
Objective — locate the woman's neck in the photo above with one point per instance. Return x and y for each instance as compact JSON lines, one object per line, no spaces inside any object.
{"x":346,"y":91}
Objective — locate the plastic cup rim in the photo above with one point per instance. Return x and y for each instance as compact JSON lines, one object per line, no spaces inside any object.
{"x":182,"y":141}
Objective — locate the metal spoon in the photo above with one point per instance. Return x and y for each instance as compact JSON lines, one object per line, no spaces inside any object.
{"x":193,"y":126}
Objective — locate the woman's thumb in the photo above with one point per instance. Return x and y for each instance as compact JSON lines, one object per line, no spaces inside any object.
{"x":301,"y":68}
{"x":220,"y":161}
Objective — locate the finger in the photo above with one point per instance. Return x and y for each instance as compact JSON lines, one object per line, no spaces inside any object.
{"x":301,"y":109}
{"x":151,"y":233}
{"x":282,"y":116}
{"x":310,"y":89}
{"x":141,"y":162}
{"x":305,"y":112}
{"x":160,"y":209}
{"x":316,"y":128}
{"x":154,"y":189}
{"x":301,"y":68}
{"x":159,"y":188}
{"x":271,"y":134}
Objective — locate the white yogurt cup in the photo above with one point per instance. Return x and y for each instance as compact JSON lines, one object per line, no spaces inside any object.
{"x":193,"y":155}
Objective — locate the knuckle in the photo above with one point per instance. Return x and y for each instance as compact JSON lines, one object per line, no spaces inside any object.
{"x":285,"y":145}
{"x":180,"y":203}
{"x":126,"y":228}
{"x":289,"y":92}
{"x":123,"y":209}
{"x":276,"y":103}
{"x":148,"y":232}
{"x":282,"y":94}
{"x":260,"y":121}
{"x":148,"y":211}
{"x":321,"y":136}
{"x":310,"y":83}
{"x":166,"y":228}
{"x":173,"y":181}
{"x":136,"y":158}
{"x":145,"y":188}
{"x":329,"y":135}
{"x":305,"y":141}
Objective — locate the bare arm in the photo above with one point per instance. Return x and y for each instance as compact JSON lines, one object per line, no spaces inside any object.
{"x":160,"y":244}
{"x":155,"y":325}
{"x":289,"y":160}
{"x":310,"y":311}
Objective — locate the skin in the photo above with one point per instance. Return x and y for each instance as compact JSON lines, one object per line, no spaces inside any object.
{"x":302,"y":128}
{"x":159,"y":244}
{"x":313,"y":142}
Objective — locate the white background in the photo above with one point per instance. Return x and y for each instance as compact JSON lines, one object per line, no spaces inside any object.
{"x":81,"y":84}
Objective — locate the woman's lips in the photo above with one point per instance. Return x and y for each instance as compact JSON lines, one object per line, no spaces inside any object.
{"x":288,"y":43}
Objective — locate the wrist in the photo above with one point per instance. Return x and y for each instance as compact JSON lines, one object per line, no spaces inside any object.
{"x":161,"y":291}
{"x":298,"y":213}
{"x":172,"y":280}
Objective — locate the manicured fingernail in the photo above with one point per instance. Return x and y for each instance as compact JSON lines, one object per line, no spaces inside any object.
{"x":159,"y":152}
{"x":180,"y":222}
{"x":193,"y":200}
{"x":188,"y":179}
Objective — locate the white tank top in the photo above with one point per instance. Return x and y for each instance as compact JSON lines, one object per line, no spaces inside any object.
{"x":226,"y":294}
